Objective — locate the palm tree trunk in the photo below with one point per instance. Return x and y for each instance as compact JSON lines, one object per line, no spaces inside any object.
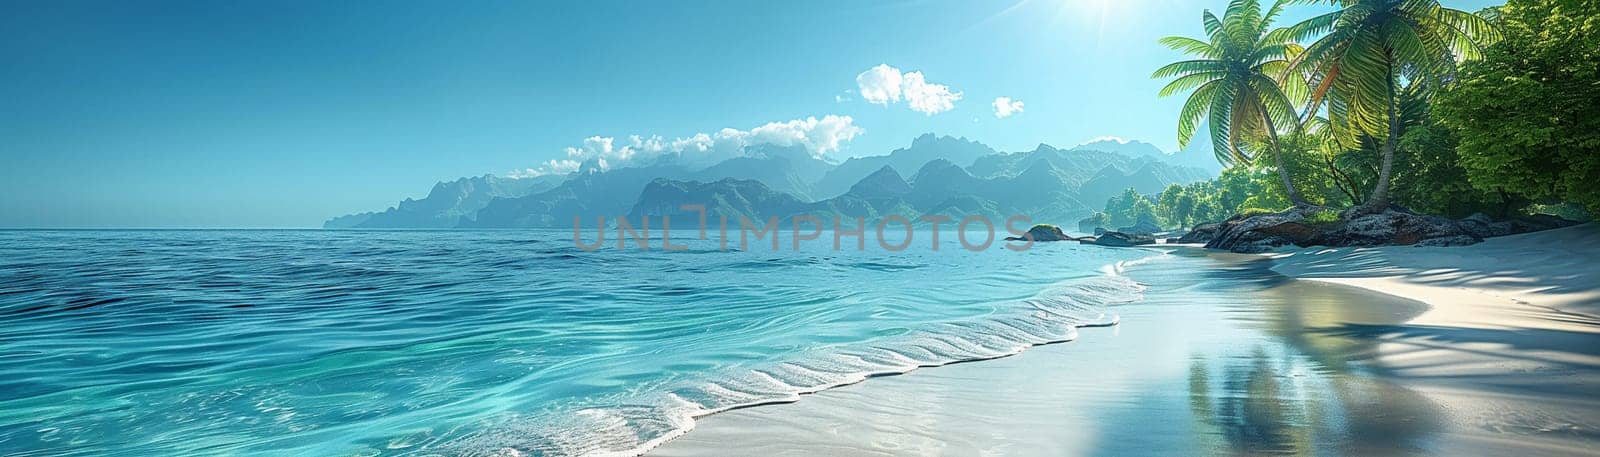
{"x":1277,"y":156}
{"x":1380,"y":196}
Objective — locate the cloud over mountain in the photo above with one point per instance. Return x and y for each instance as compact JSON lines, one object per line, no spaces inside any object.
{"x":1004,"y":107}
{"x":883,"y":85}
{"x":817,"y":136}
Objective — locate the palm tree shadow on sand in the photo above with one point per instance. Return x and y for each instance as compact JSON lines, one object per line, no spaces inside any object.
{"x":1298,"y":388}
{"x":1266,"y":402}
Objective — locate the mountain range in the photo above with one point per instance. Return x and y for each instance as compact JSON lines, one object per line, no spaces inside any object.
{"x":942,"y":175}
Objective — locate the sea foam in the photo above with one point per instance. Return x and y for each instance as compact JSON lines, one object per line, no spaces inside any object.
{"x":649,"y":419}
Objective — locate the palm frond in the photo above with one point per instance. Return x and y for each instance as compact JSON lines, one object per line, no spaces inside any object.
{"x":1212,"y":24}
{"x":1194,"y":110}
{"x":1221,"y":119}
{"x":1188,"y":67}
{"x":1316,"y":25}
{"x":1188,"y":45}
{"x":1190,"y":81}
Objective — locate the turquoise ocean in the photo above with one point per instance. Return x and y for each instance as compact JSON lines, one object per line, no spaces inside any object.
{"x":310,"y":342}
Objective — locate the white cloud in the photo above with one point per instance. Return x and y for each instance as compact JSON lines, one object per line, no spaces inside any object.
{"x":928,"y":98}
{"x":883,"y":85}
{"x":817,"y":135}
{"x":552,"y":167}
{"x":879,"y":85}
{"x":1004,"y":107}
{"x":594,"y":146}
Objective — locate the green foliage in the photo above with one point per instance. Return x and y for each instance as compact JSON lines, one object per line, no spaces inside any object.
{"x":1568,"y":211}
{"x":1306,"y":159}
{"x":1397,"y":107}
{"x":1528,"y":114}
{"x":1365,"y":50}
{"x":1244,"y":187}
{"x":1126,"y":208}
{"x":1326,"y":216}
{"x":1142,"y":210}
{"x":1231,"y":79}
{"x":1252,"y":211}
{"x":1237,"y":189}
{"x":1175,"y":206}
{"x":1366,"y":47}
{"x":1430,"y":179}
{"x":1099,"y":219}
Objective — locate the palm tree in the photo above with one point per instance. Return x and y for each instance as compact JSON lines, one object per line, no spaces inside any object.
{"x":1367,"y":48}
{"x":1232,"y":87}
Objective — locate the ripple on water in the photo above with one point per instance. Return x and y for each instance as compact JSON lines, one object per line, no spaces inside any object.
{"x":317,"y":342}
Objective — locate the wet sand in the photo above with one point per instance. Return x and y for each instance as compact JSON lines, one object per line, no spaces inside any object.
{"x":1223,"y":357}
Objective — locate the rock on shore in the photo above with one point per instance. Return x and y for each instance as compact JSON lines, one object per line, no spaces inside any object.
{"x":1306,"y":227}
{"x":1044,"y":232}
{"x":1119,"y":239}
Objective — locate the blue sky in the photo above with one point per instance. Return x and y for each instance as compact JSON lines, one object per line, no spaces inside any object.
{"x":282,"y":114}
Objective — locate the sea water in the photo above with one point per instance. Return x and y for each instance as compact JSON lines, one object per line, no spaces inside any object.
{"x":281,"y":342}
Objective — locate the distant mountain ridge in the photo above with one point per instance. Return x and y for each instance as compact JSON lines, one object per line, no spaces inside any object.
{"x":447,"y":204}
{"x":1195,"y":157}
{"x":950,"y":176}
{"x":925,"y":148}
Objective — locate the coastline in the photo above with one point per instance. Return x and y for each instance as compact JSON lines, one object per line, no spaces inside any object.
{"x":1489,"y":348}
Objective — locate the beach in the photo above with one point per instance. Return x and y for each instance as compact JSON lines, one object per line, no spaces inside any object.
{"x":1510,"y":344}
{"x":1491,"y":349}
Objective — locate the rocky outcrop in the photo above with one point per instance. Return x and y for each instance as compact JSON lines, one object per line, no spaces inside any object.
{"x":1244,"y":234}
{"x":1202,"y":233}
{"x":1044,"y":232}
{"x":1389,"y":228}
{"x":1119,"y":239}
{"x":1143,"y":227}
{"x":1298,"y":227}
{"x":1092,"y":224}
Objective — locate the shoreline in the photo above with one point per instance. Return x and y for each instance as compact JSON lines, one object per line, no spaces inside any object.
{"x":1109,"y":320}
{"x":1439,"y":378}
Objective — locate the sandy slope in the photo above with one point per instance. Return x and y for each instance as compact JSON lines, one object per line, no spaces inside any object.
{"x":1510,"y":346}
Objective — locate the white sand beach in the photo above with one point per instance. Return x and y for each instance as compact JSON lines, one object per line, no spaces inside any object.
{"x":1492,"y":349}
{"x":1510,"y":343}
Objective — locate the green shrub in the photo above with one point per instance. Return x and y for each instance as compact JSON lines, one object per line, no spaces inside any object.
{"x":1326,"y":216}
{"x":1247,"y":212}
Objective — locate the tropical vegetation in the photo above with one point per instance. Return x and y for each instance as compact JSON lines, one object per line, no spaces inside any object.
{"x":1233,"y":87}
{"x":1527,"y":115}
{"x":1389,"y":102}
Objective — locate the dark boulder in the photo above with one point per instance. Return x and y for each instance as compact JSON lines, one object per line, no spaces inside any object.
{"x":1242,"y":233}
{"x":1392,"y":228}
{"x":1143,"y":227}
{"x":1396,"y":226}
{"x":1480,"y":226}
{"x":1202,"y":233}
{"x":1092,"y":223}
{"x":1043,"y":232}
{"x":1119,"y":239}
{"x":1538,"y":222}
{"x":1294,"y":232}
